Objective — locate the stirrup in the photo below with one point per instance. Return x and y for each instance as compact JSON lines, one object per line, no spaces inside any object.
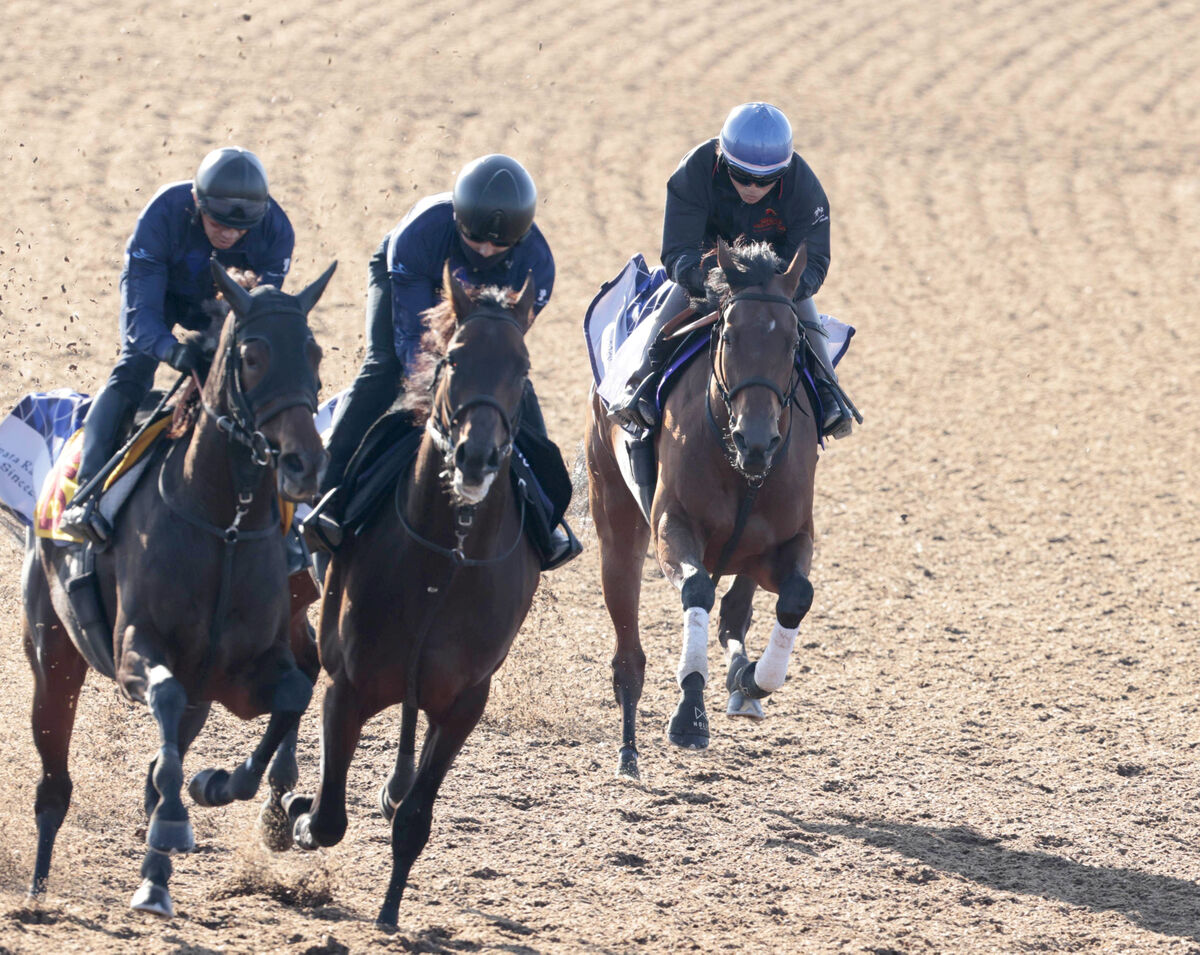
{"x":564,"y":547}
{"x":85,"y":523}
{"x":321,"y":531}
{"x":636,"y":408}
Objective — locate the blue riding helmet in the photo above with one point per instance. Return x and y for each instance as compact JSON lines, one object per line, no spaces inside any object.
{"x":756,"y":141}
{"x":231,"y":187}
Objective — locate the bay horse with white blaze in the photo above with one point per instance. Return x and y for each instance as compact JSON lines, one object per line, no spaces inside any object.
{"x":737,"y":456}
{"x":194,"y":583}
{"x":422,"y":605}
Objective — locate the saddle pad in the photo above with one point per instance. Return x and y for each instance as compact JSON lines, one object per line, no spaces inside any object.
{"x":60,"y":485}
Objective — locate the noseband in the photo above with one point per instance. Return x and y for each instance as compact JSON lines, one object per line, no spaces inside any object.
{"x":727,"y":394}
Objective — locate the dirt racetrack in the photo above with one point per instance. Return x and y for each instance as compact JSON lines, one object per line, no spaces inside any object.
{"x":988,"y":737}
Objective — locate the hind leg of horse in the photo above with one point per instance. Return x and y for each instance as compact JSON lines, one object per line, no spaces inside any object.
{"x":58,"y":672}
{"x":321,"y":820}
{"x":400,"y":781}
{"x":679,"y":553}
{"x":414,"y":816}
{"x":736,"y":611}
{"x":623,"y":535}
{"x":767,"y":673}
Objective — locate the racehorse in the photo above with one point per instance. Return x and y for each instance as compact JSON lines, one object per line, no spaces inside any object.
{"x":737,"y":457}
{"x":423,"y":604}
{"x":194,"y":583}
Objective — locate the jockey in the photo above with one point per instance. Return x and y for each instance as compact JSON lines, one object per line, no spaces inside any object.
{"x":485,"y":230}
{"x":746,"y":183}
{"x":224,"y":213}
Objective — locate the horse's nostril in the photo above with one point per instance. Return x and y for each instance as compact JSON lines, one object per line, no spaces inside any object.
{"x":739,"y":442}
{"x":292,"y":463}
{"x":493,"y":460}
{"x":774,"y":445}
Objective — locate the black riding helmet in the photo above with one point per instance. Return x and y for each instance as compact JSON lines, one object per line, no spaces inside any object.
{"x":231,"y":187}
{"x":494,"y":200}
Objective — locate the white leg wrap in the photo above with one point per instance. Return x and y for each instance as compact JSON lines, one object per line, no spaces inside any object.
{"x":771,"y":668}
{"x":694,"y":658}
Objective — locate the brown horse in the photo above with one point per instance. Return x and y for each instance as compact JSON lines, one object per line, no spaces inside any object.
{"x":736,"y":461}
{"x":194,"y":584}
{"x":422,"y":605}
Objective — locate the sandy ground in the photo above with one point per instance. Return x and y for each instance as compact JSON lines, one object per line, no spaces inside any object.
{"x":987,"y":740}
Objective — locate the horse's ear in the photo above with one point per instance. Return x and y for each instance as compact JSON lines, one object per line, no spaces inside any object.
{"x":308,"y":298}
{"x":791,"y":278}
{"x":459,"y":299}
{"x":237,"y":297}
{"x":725,"y":258}
{"x":523,"y":307}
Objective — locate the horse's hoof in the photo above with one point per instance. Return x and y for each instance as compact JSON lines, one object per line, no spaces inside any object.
{"x":627,"y":767}
{"x":170,"y":835}
{"x":302,"y":833}
{"x":204,"y":786}
{"x":688,"y":728}
{"x":386,"y":809}
{"x":388,"y":916}
{"x":296,"y":805}
{"x":275,"y":826}
{"x":154,"y":899}
{"x":742,"y":705}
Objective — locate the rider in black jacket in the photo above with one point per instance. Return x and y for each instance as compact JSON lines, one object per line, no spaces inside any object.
{"x":747,"y":183}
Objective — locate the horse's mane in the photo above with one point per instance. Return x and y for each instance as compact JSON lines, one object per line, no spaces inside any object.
{"x":440,"y":325}
{"x":187,"y":405}
{"x":755,"y":264}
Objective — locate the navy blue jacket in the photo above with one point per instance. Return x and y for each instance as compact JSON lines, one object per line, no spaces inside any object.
{"x":417,"y":250}
{"x":167,"y":276}
{"x":703,"y":206}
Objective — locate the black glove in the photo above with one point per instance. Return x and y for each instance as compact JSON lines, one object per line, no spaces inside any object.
{"x":692,"y":278}
{"x":185,"y":357}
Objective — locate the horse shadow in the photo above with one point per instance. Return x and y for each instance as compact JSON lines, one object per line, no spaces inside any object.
{"x":1158,"y":903}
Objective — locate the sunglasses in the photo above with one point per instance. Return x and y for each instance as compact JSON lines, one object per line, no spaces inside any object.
{"x":233,"y":210}
{"x":480,"y":239}
{"x":745,"y":179}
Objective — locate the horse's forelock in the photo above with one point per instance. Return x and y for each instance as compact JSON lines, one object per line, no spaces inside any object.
{"x":440,"y":325}
{"x":755,"y":264}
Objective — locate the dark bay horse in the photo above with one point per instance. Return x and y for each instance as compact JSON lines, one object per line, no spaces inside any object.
{"x":194,"y":584}
{"x":423,"y":604}
{"x":737,"y":456}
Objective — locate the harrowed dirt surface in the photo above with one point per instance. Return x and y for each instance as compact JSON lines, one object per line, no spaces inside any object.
{"x":987,"y":741}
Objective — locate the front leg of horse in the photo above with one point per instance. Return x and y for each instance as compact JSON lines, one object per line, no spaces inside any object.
{"x":688,"y":728}
{"x":766,"y":674}
{"x":736,"y":612}
{"x":320,"y":820}
{"x":288,"y":701}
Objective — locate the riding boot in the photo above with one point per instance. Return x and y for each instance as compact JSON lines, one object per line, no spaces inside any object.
{"x":835,"y":417}
{"x":555,"y":540}
{"x":100,"y":429}
{"x":638,"y":407}
{"x":367,"y":399}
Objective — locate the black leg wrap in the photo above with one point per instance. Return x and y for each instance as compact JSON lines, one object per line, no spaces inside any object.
{"x":698,"y":591}
{"x":745,"y":682}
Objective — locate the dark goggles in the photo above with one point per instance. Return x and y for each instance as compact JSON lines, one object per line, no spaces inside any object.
{"x":484,"y":238}
{"x":234,"y":213}
{"x":745,"y":179}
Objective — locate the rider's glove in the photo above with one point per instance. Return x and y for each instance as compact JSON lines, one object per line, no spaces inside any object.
{"x":185,"y":357}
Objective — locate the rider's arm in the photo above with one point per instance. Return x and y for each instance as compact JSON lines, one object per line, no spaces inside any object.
{"x":808,"y":221}
{"x":542,"y":267}
{"x":144,"y":282}
{"x":279,"y":240}
{"x":689,"y":196}
{"x":415,"y":277}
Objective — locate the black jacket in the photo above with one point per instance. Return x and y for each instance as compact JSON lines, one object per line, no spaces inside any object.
{"x":703,"y":206}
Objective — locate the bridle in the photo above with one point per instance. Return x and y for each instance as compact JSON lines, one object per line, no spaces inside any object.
{"x":785,"y":397}
{"x":441,"y":427}
{"x":275,"y":393}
